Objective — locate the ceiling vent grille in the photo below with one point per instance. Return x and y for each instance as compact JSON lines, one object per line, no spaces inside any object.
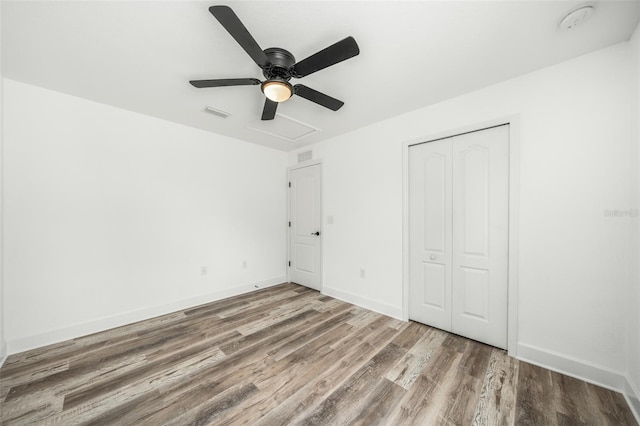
{"x":305,"y":156}
{"x":217,"y":112}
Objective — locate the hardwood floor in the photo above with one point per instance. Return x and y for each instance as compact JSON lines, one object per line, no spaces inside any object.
{"x":289,"y":355}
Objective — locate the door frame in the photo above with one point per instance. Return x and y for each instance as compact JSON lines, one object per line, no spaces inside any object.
{"x":303,"y":165}
{"x":514,"y":164}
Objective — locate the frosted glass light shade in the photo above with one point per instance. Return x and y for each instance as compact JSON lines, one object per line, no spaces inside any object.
{"x":277,"y":91}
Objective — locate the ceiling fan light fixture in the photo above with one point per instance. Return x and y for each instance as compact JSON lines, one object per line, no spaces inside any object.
{"x":279,"y":66}
{"x":277,"y":90}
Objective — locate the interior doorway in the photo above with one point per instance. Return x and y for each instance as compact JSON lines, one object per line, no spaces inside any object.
{"x":305,"y":223}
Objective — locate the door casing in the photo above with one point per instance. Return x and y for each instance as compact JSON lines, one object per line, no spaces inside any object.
{"x":514,"y":131}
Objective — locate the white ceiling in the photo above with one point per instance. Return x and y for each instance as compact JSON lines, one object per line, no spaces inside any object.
{"x":140,"y":55}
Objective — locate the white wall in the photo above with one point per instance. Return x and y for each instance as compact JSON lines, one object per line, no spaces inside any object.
{"x":576,"y":139}
{"x":634,"y":292}
{"x":109,"y":216}
{"x":3,"y":345}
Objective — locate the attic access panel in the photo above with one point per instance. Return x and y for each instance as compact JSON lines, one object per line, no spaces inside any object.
{"x":284,"y":127}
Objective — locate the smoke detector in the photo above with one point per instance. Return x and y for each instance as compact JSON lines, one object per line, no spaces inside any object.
{"x":576,"y":17}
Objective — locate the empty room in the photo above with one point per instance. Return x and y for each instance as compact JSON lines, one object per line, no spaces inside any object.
{"x":320,"y":212}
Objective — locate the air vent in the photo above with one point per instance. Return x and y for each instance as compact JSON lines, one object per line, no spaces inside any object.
{"x":217,"y":112}
{"x":304,"y":156}
{"x":284,"y":127}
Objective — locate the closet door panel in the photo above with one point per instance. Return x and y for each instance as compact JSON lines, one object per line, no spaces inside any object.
{"x":430,"y":230}
{"x":480,"y":235}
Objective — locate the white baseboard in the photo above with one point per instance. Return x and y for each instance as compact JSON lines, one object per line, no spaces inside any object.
{"x":82,"y":329}
{"x":3,"y":352}
{"x":632,"y":395}
{"x":590,"y":373}
{"x":373,"y":305}
{"x":573,"y":367}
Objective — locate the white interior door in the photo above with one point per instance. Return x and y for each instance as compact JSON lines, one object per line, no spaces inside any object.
{"x":480,"y":235}
{"x":305,"y":234}
{"x":473,"y":268}
{"x":430,"y":227}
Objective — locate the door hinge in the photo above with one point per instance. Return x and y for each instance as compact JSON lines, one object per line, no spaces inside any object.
{"x":289,"y":224}
{"x":289,"y":184}
{"x":289,"y":263}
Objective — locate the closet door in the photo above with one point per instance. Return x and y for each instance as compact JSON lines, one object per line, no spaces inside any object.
{"x":458,"y":234}
{"x":430,"y":184}
{"x":480,"y":235}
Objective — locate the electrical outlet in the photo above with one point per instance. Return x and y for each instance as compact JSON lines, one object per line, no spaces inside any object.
{"x":203,"y":270}
{"x":362,"y":273}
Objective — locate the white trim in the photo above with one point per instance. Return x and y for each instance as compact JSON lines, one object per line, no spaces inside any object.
{"x":514,"y":234}
{"x":514,"y":184}
{"x":573,"y":367}
{"x":373,"y":305}
{"x":405,"y":230}
{"x":117,"y":320}
{"x":3,"y":352}
{"x":632,"y":396}
{"x":302,"y":165}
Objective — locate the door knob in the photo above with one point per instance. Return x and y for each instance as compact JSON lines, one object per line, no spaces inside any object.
{"x":315,"y":233}
{"x":432,"y":257}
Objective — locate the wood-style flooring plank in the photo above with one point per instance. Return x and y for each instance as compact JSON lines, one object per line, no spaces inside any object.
{"x":421,"y":402}
{"x":408,"y":368}
{"x":572,"y":401}
{"x":327,"y":375}
{"x":378,"y":404}
{"x":611,"y":405}
{"x":215,"y":407}
{"x":289,"y":355}
{"x":342,"y":405}
{"x":496,"y":403}
{"x":337,"y":405}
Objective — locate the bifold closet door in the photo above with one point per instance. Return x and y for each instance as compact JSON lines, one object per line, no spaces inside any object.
{"x":480,"y":235}
{"x":430,"y":230}
{"x":458,"y":192}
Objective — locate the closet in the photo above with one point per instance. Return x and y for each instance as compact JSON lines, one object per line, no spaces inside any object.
{"x":458,"y":234}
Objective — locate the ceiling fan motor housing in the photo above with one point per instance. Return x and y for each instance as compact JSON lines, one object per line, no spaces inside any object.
{"x":281,"y":64}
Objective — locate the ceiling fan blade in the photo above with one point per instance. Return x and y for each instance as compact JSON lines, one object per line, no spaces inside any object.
{"x":222,"y":82}
{"x":239,"y":32}
{"x":338,"y":52}
{"x":317,"y":97}
{"x":269,"y":111}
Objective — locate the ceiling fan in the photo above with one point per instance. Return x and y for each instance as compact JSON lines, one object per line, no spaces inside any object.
{"x":279,"y":66}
